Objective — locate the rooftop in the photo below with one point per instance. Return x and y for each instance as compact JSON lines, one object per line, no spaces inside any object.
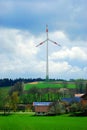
{"x":73,"y":99}
{"x":41,"y":103}
{"x":79,"y":94}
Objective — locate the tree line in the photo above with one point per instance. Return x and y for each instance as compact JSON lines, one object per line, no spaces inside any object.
{"x":10,"y":82}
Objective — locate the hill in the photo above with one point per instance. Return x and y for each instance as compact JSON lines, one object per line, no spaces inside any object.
{"x":49,"y":85}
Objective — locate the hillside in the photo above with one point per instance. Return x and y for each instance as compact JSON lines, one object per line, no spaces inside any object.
{"x":49,"y":85}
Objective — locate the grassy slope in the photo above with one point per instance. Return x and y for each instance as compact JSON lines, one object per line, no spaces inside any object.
{"x":28,"y":122}
{"x":49,"y":85}
{"x":4,"y":90}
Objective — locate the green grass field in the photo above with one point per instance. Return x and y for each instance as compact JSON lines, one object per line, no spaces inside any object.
{"x":4,"y":90}
{"x":48,"y":85}
{"x":30,"y":122}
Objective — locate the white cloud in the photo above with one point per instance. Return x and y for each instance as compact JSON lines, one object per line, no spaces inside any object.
{"x":59,"y":67}
{"x":17,"y":49}
{"x":74,"y":53}
{"x":69,"y":49}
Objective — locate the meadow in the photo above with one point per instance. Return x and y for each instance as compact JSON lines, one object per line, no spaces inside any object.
{"x":48,"y":85}
{"x":28,"y":121}
{"x":4,"y":90}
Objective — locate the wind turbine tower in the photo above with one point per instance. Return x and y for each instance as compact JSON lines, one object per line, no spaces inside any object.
{"x":47,"y":64}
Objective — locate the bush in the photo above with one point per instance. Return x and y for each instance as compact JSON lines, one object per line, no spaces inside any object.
{"x":74,"y":107}
{"x":84,"y":109}
{"x":57,"y":108}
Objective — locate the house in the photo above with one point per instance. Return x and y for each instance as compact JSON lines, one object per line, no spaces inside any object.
{"x":76,"y":98}
{"x":84,"y":100}
{"x":71,"y":100}
{"x":79,"y":95}
{"x":41,"y":108}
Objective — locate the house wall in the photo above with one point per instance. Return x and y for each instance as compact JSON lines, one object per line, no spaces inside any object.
{"x":41,"y":108}
{"x":84,"y":102}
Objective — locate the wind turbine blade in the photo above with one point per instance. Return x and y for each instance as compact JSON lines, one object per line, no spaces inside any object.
{"x":41,"y":43}
{"x":54,"y":42}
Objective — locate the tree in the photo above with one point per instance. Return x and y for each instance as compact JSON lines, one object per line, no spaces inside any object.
{"x":34,"y":94}
{"x":80,"y":87}
{"x":75,"y":107}
{"x":14,"y":99}
{"x":57,"y":108}
{"x":2,"y":97}
{"x":85,"y":87}
{"x":18,"y":87}
{"x":65,"y":84}
{"x":7,"y":106}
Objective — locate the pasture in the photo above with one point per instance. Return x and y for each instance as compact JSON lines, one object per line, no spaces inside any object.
{"x":4,"y":90}
{"x":27,"y":121}
{"x":48,"y":85}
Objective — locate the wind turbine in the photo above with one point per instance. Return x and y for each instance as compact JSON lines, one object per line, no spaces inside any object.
{"x":47,"y":39}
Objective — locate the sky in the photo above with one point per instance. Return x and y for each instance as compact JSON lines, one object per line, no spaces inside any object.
{"x":23,"y":26}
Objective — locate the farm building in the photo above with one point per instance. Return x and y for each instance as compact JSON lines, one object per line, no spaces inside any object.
{"x":77,"y":98}
{"x":42,"y":108}
{"x":79,"y":95}
{"x":71,"y":100}
{"x":84,"y":100}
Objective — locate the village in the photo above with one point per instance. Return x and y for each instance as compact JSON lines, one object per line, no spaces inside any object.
{"x":45,"y":101}
{"x":66,"y":105}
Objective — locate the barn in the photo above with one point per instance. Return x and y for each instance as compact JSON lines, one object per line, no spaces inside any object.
{"x":84,"y":100}
{"x":71,"y":100}
{"x":42,"y":108}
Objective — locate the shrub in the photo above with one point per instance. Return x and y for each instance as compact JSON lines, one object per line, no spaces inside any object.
{"x":57,"y":108}
{"x":74,"y":107}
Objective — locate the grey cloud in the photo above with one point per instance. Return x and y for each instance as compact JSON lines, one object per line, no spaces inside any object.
{"x":67,"y":15}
